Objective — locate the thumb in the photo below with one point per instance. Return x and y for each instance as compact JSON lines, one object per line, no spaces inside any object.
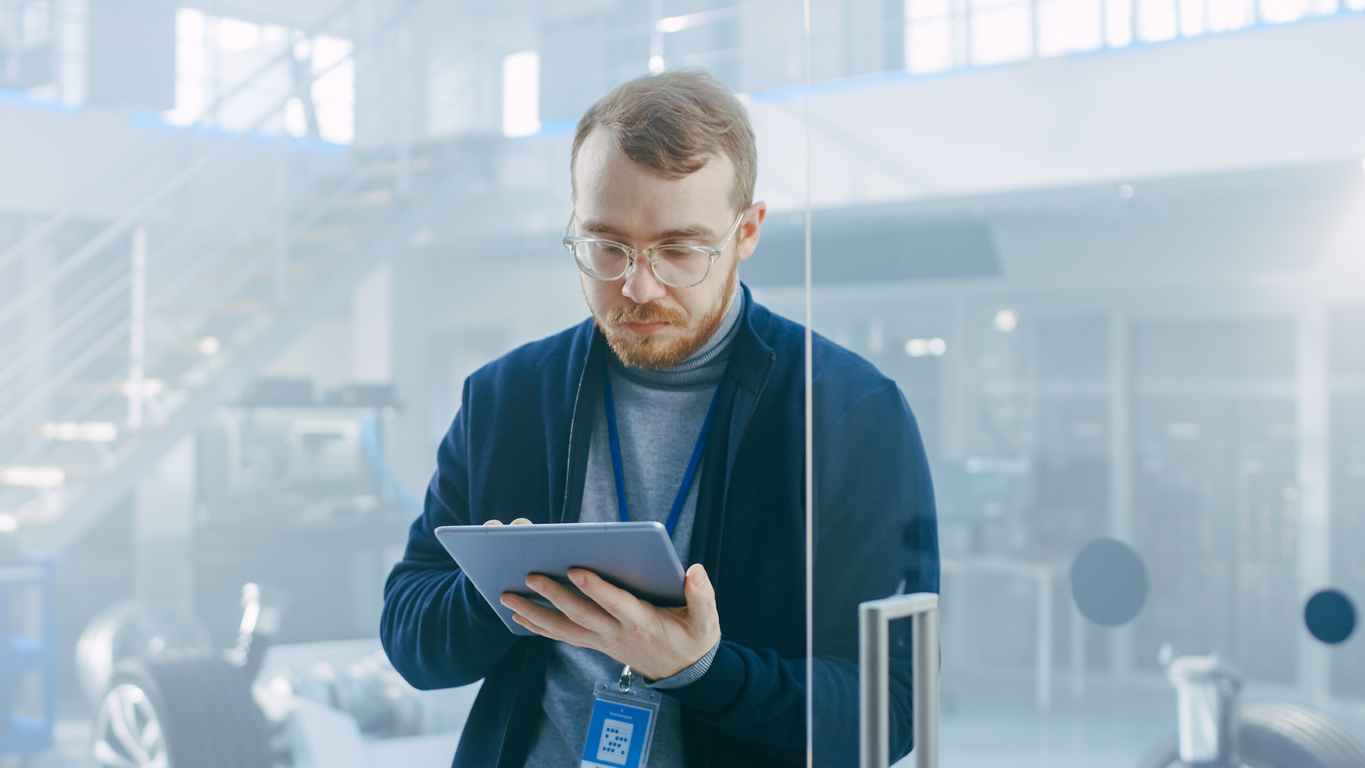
{"x":698,"y":590}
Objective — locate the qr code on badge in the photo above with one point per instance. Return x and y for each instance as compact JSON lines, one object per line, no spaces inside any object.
{"x":615,"y":743}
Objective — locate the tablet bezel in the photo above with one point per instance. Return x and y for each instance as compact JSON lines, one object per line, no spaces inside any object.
{"x":498,"y":558}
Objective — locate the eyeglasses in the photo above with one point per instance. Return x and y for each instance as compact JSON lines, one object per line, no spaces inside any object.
{"x":679,"y":266}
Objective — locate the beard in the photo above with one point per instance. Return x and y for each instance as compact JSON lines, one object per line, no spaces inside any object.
{"x":655,"y":352}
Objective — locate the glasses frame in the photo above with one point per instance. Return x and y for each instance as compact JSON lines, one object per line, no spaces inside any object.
{"x":571,"y":242}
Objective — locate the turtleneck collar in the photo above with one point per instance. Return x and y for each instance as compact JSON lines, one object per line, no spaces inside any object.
{"x":704,"y":367}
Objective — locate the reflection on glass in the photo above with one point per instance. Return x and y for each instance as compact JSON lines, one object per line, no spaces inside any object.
{"x":255,"y":260}
{"x":1144,"y":471}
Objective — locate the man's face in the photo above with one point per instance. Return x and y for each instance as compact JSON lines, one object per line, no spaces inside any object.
{"x":650,"y":324}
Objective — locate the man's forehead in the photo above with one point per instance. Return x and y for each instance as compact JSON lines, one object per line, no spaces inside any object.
{"x":605,"y":176}
{"x":608,"y":227}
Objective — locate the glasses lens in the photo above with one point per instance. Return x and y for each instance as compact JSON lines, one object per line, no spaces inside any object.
{"x":680,"y":265}
{"x":601,"y":260}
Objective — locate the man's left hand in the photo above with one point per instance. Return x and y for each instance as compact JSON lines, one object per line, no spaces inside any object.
{"x":655,"y":642}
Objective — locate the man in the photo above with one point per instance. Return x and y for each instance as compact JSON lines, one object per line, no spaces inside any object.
{"x":677,"y":368}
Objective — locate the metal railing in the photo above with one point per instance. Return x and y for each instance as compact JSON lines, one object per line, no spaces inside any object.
{"x":102,"y":295}
{"x":120,"y":173}
{"x":147,"y":206}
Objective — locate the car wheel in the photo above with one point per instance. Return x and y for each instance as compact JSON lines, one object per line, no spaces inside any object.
{"x":1279,"y":736}
{"x":194,"y":712}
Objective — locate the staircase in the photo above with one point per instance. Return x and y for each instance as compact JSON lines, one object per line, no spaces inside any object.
{"x":138,"y":328}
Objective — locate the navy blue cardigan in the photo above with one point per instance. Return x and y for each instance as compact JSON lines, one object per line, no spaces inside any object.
{"x":518,"y":448}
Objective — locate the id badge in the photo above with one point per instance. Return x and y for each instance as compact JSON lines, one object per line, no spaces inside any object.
{"x":621,"y":728}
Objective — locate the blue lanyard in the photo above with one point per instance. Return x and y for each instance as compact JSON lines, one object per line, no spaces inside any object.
{"x":692,"y":465}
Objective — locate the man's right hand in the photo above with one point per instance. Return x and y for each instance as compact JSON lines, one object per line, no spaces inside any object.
{"x":518,"y":521}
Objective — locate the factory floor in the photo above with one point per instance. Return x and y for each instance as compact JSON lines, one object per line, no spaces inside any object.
{"x":987,"y":721}
{"x":991,"y":720}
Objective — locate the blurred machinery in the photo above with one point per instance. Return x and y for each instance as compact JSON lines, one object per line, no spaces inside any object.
{"x":1216,"y":731}
{"x":295,"y":490}
{"x":1043,"y":425}
{"x":171,"y":701}
{"x":28,"y":668}
{"x":1215,"y":488}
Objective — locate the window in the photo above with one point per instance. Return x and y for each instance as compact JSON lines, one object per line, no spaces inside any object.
{"x":258,"y":68}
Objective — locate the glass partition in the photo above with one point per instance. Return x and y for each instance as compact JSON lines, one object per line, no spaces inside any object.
{"x":283,"y":291}
{"x":1123,"y":457}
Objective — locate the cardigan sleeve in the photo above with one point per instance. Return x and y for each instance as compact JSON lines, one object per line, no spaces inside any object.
{"x":437,"y":629}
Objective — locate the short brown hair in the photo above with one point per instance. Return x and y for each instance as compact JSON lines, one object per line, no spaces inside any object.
{"x":673,"y":123}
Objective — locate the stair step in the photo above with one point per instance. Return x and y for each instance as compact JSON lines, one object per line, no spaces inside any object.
{"x":83,"y":387}
{"x":294,"y":269}
{"x":339,"y":240}
{"x":377,"y":171}
{"x":327,"y":235}
{"x":373,"y":198}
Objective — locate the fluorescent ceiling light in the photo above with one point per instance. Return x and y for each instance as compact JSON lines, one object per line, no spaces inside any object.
{"x":921,"y":347}
{"x":81,"y":431}
{"x":1006,"y":320}
{"x":690,"y":20}
{"x":33,"y":477}
{"x":150,"y":388}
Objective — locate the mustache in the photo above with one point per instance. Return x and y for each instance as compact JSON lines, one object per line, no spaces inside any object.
{"x":645,"y":313}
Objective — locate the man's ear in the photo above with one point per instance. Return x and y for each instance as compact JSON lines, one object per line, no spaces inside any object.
{"x":750,"y":229}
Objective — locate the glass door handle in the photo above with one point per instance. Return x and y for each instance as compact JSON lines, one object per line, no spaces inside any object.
{"x":873,"y":673}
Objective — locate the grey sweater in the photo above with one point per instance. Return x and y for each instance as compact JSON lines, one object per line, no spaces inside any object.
{"x":659,"y":413}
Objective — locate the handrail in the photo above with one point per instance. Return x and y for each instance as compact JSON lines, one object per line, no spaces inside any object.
{"x":67,"y":373}
{"x":105,"y":183}
{"x":327,"y":205}
{"x":135,"y":216}
{"x":131,"y":218}
{"x":66,"y":327}
{"x":69,"y":325}
{"x":69,"y":212}
{"x":87,"y":501}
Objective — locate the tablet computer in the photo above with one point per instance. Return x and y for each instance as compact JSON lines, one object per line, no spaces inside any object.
{"x":637,"y":557}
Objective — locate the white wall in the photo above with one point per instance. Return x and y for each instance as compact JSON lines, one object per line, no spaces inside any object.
{"x":1264,"y":98}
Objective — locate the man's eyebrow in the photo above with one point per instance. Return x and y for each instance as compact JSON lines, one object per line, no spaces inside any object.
{"x":693,"y":232}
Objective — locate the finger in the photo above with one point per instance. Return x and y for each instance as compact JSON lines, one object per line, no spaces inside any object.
{"x":582,"y":612}
{"x":618,"y":603}
{"x":492,"y":522}
{"x":536,"y":628}
{"x":546,"y":618}
{"x":521,"y":521}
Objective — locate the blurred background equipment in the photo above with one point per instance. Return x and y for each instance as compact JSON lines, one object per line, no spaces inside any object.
{"x":1216,"y":730}
{"x":261,"y":704}
{"x":128,"y":630}
{"x":28,"y":665}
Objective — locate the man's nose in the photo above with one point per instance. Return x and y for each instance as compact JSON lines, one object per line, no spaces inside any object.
{"x":641,"y":285}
